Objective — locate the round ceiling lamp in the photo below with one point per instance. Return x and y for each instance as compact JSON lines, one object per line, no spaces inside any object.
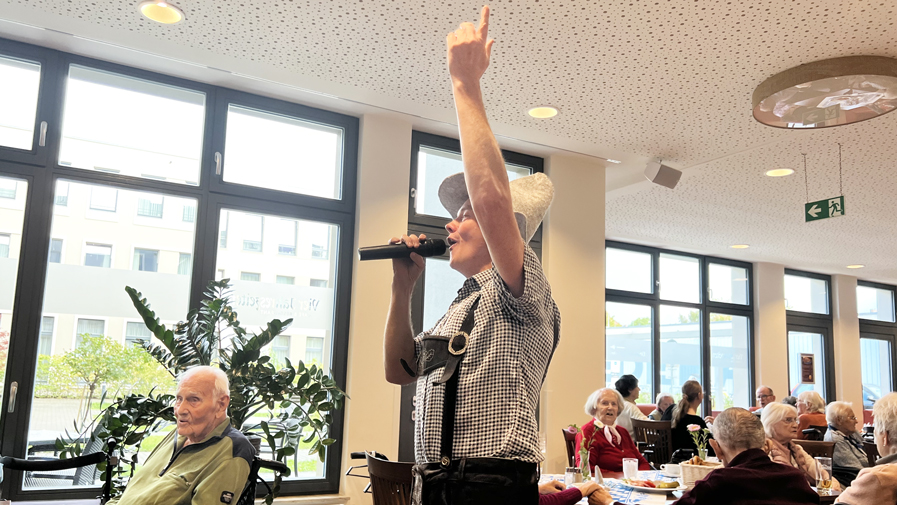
{"x":161,"y":11}
{"x":827,"y":93}
{"x":543,"y":112}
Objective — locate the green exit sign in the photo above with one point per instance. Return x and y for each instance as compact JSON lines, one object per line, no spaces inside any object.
{"x":824,"y":209}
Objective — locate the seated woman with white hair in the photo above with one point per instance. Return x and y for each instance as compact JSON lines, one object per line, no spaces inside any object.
{"x":842,"y":430}
{"x":810,"y":411}
{"x":780,"y":424}
{"x":608,"y":443}
{"x":663,"y":401}
{"x":878,"y":485}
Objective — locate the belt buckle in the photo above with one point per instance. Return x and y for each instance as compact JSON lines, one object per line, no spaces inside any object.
{"x":451,"y":350}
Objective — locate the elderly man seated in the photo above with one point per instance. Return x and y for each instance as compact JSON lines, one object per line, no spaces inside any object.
{"x":204,"y":461}
{"x":749,"y":477}
{"x":878,"y":485}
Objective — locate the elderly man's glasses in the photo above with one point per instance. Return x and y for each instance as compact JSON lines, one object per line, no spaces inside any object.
{"x":763,"y":397}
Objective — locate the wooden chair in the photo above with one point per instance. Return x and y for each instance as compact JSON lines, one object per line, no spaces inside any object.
{"x":658,"y":439}
{"x":815,"y":433}
{"x":390,"y":481}
{"x":570,"y":443}
{"x":871,"y":452}
{"x":816,"y":448}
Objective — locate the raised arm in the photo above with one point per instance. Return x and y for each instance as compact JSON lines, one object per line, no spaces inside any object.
{"x":469,"y":50}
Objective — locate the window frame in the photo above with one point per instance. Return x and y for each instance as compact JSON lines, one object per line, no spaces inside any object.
{"x":882,"y":330}
{"x":818,"y":323}
{"x":706,"y":307}
{"x":38,"y":214}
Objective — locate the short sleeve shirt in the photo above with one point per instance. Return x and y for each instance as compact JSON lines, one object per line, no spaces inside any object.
{"x":502,"y":371}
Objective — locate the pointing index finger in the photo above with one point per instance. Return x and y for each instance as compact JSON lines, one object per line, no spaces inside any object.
{"x":484,"y":22}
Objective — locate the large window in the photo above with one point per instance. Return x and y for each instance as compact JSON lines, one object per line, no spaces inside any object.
{"x":878,"y":340}
{"x":132,"y":180}
{"x":693,"y":323}
{"x":809,"y":321}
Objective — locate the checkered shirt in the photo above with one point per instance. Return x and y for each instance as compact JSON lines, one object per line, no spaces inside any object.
{"x":502,"y":372}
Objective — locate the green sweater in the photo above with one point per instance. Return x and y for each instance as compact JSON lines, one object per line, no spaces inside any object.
{"x":210,"y":472}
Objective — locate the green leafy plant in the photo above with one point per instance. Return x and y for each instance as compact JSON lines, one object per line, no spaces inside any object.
{"x":296,"y":402}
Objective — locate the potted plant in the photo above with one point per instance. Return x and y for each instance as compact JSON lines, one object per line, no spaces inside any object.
{"x":296,"y":401}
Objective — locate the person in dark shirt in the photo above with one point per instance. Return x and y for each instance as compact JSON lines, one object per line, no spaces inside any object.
{"x":749,"y":477}
{"x":684,"y":413}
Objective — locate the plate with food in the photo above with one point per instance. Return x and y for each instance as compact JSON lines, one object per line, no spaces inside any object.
{"x":653,"y":486}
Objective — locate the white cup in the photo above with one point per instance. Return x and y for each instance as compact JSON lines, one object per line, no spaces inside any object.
{"x":673,"y":470}
{"x":630,"y":468}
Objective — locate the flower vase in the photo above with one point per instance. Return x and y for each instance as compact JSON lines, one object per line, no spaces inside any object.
{"x":702,"y":453}
{"x":585,"y":471}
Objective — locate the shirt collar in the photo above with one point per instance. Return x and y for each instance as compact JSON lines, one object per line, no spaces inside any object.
{"x":474,"y":283}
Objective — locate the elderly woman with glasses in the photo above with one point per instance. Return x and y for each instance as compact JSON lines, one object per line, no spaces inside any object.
{"x":842,"y":430}
{"x":810,"y":411}
{"x":780,"y":424}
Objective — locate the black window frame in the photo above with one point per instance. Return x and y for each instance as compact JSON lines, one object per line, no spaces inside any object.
{"x":882,"y":330}
{"x":811,"y":322}
{"x":705,"y":306}
{"x":40,"y":169}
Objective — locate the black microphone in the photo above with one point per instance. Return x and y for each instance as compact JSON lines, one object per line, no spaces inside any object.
{"x":428,"y":247}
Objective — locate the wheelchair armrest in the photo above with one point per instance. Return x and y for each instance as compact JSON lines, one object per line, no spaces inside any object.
{"x":270,"y":464}
{"x":52,"y":465}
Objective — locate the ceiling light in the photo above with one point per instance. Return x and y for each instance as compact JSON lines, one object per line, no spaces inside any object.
{"x":856,"y":266}
{"x":613,"y":161}
{"x":161,"y":12}
{"x":543,"y":112}
{"x":739,"y":246}
{"x":826,"y":93}
{"x":779,"y":172}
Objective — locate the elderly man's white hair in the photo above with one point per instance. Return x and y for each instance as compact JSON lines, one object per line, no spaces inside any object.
{"x":814,"y":401}
{"x":661,"y":396}
{"x":885,"y":413}
{"x":222,"y":385}
{"x":737,"y":429}
{"x":838,"y":412}
{"x":591,"y":406}
{"x":775,"y":412}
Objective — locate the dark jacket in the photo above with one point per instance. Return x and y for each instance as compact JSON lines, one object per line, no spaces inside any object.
{"x":752,"y":479}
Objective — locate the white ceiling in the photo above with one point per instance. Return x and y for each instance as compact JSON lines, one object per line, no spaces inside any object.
{"x":633,"y":80}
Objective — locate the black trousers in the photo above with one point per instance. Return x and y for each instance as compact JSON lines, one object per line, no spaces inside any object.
{"x":475,"y":481}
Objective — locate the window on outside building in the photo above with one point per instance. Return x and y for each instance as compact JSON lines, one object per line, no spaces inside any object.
{"x":189,"y":214}
{"x":250,"y":276}
{"x":92,"y":327}
{"x":8,"y":188}
{"x":97,"y":255}
{"x":253,"y":226}
{"x":222,"y":227}
{"x":314,"y":350}
{"x":150,"y":205}
{"x":287,"y":237}
{"x":55,"y":255}
{"x":185,"y":262}
{"x":280,"y":349}
{"x":103,"y":198}
{"x":62,"y":194}
{"x":317,"y":283}
{"x":45,"y":344}
{"x":283,"y":279}
{"x":219,"y":274}
{"x":4,"y":245}
{"x":146,"y":260}
{"x":135,"y":331}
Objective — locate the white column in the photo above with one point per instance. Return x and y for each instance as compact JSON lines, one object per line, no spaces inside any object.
{"x":372,"y":413}
{"x":770,"y":329}
{"x":846,"y":342}
{"x":573,"y":257}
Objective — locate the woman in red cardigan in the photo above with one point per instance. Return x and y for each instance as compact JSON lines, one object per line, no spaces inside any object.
{"x":609,"y":443}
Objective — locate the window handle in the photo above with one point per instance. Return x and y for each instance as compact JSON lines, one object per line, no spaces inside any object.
{"x":13,"y":389}
{"x":42,"y":142}
{"x":217,"y":163}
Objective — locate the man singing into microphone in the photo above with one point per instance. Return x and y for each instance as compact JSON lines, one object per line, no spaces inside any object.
{"x":480,"y":369}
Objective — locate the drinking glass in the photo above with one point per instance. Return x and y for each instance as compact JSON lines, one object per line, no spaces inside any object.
{"x":823,"y":475}
{"x":630,"y":468}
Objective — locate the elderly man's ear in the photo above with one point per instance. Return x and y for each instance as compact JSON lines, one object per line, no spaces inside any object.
{"x":718,"y":451}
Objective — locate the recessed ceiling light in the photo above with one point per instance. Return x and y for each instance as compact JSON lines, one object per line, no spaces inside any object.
{"x":856,"y":266}
{"x":779,"y":172}
{"x":161,"y":12}
{"x":739,"y":246}
{"x":613,"y":161}
{"x":543,"y":112}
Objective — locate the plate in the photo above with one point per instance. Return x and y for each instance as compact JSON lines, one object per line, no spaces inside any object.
{"x":669,"y":475}
{"x":654,"y":489}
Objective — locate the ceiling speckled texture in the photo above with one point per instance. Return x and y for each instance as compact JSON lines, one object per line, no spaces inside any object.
{"x":666,"y":78}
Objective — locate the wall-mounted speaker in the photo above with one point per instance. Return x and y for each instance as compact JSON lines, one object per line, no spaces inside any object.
{"x":659,"y":173}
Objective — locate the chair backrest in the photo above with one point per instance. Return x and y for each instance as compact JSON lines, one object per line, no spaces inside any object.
{"x":570,"y":443}
{"x":391,"y":481}
{"x":816,"y":448}
{"x":872,"y":454}
{"x":658,"y":437}
{"x":646,"y":408}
